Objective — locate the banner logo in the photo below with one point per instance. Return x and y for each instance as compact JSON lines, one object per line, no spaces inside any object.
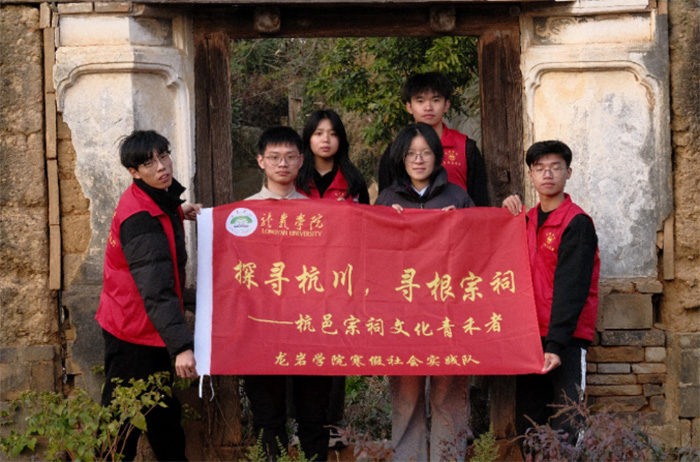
{"x":241,"y":222}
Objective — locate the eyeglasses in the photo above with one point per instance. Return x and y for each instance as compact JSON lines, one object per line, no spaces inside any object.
{"x":412,"y":156}
{"x":163,"y":158}
{"x":290,"y":160}
{"x":555,"y":170}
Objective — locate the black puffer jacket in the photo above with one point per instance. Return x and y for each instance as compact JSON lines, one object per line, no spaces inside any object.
{"x":440,"y":194}
{"x":147,"y":252}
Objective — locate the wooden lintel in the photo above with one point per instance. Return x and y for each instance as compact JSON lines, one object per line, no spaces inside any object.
{"x":50,"y":118}
{"x":49,"y":58}
{"x":351,"y":21}
{"x":54,"y":257}
{"x":54,"y":197}
{"x":669,"y":254}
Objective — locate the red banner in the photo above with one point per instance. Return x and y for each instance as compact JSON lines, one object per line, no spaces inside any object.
{"x":311,"y":287}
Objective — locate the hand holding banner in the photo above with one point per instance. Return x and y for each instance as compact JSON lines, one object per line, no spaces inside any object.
{"x":300,"y":287}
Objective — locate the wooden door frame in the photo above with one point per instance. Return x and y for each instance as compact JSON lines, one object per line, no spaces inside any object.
{"x":498,"y":31}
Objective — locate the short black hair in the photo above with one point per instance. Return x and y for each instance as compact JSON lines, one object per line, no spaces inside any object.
{"x":402,"y":143}
{"x":417,"y":84}
{"x":139,"y":147}
{"x":279,"y":135}
{"x":543,"y":148}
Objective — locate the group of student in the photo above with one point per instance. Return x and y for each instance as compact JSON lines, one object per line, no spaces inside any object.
{"x":428,"y":165}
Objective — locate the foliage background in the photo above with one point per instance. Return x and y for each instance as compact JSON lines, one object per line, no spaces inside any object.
{"x":360,"y":78}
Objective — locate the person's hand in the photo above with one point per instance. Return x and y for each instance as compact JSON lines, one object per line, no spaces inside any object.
{"x":513,"y":204}
{"x":397,"y":207}
{"x":190,"y":211}
{"x":449,"y":207}
{"x":551,"y":362}
{"x":185,"y":365}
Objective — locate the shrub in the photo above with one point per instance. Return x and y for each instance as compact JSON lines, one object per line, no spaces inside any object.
{"x":368,"y":406}
{"x":603,"y":435}
{"x":485,"y":448}
{"x":79,"y":427}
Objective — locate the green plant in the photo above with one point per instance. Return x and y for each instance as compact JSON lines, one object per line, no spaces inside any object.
{"x":365,"y":76}
{"x":81,"y":429}
{"x":485,"y":447}
{"x":256,"y":453}
{"x":368,"y":406}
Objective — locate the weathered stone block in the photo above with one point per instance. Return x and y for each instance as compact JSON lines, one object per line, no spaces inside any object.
{"x":685,"y":428}
{"x":71,"y":267}
{"x":655,"y":354}
{"x":74,"y":8}
{"x":641,"y":338}
{"x":13,"y":381}
{"x":690,"y":367}
{"x":651,"y":378}
{"x":650,"y":286}
{"x":615,"y":354}
{"x":43,"y":377}
{"x":611,"y":379}
{"x":628,"y":311}
{"x":696,"y":433}
{"x":73,"y":201}
{"x":76,"y":233}
{"x":657,"y":403}
{"x":28,"y":310}
{"x":622,"y":403}
{"x":112,"y":7}
{"x":689,"y":402}
{"x":689,"y":341}
{"x":62,"y":130}
{"x":8,"y":355}
{"x":649,"y":368}
{"x":614,"y":368}
{"x":652,"y":389}
{"x":37,"y":353}
{"x":614,"y":390}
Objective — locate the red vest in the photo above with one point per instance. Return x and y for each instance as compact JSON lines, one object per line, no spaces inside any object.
{"x":544,"y":253}
{"x":337,"y":188}
{"x":122,"y":312}
{"x":454,"y":160}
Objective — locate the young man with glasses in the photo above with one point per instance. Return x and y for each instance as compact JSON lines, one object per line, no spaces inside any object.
{"x":279,"y":155}
{"x":141,"y":306}
{"x":565,"y":268}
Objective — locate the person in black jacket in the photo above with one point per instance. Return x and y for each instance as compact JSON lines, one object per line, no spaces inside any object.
{"x":141,"y":309}
{"x":420,"y":181}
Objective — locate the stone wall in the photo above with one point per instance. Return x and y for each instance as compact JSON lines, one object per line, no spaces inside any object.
{"x":599,"y":66}
{"x":28,"y":308}
{"x":680,"y":304}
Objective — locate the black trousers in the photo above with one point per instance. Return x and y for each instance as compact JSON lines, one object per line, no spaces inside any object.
{"x":535,"y":393}
{"x":126,"y":360}
{"x":267,"y":395}
{"x":336,"y":400}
